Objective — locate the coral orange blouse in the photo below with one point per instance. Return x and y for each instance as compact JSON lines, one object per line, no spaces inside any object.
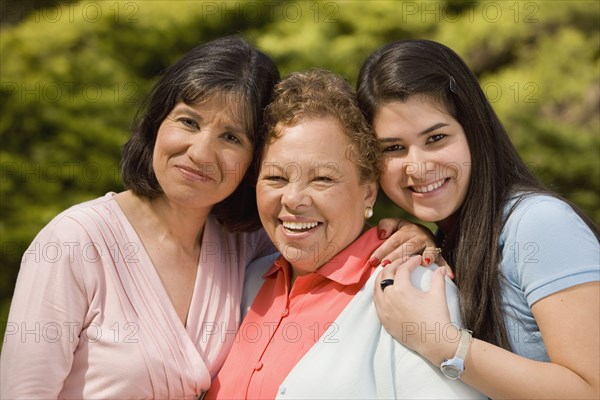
{"x":283,"y":323}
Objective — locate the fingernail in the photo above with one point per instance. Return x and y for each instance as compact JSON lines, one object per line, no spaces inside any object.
{"x":385,"y":262}
{"x":374,"y":261}
{"x":381,"y":233}
{"x":427,"y":260}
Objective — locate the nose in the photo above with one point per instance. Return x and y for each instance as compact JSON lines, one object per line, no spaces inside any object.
{"x":295,"y":197}
{"x":416,"y":164}
{"x":412,"y":161}
{"x":201,"y":149}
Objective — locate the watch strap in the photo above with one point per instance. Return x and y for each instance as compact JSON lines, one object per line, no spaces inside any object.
{"x":466,"y":337}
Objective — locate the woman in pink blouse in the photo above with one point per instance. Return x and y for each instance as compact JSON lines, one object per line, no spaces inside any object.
{"x":136,"y":294}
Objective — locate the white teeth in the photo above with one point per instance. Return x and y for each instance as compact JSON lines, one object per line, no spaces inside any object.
{"x":297,"y":226}
{"x":428,"y":188}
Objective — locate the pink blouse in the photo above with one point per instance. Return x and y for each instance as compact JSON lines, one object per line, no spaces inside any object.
{"x":90,"y":317}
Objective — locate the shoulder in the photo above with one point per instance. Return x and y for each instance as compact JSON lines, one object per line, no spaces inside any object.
{"x":541,"y":216}
{"x":547,"y":247}
{"x":536,"y":207}
{"x":77,"y":220}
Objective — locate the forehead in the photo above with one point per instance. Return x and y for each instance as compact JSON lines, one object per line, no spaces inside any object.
{"x":311,"y":143}
{"x":416,"y":112}
{"x":319,"y":135}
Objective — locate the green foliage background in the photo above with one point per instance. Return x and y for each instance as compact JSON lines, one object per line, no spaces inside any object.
{"x":72,"y":77}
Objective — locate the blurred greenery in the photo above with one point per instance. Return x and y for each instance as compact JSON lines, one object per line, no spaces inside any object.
{"x":73,"y":75}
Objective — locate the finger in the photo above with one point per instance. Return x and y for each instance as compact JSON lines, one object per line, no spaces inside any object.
{"x":386,"y":226}
{"x":442,"y":263}
{"x":391,"y":273}
{"x":380,"y":299}
{"x":404,"y":271}
{"x":386,"y":248}
{"x":449,"y":272}
{"x":438,"y":282}
{"x":402,"y":253}
{"x":430,"y":254}
{"x":378,"y":296}
{"x":386,"y":273}
{"x":400,"y":245}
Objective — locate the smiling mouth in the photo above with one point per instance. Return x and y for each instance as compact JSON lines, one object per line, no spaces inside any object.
{"x":428,"y":188}
{"x":298,"y":227}
{"x":198,"y":175}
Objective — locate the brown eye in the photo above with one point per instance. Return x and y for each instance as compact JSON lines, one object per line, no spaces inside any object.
{"x":230,"y":137}
{"x":392,"y":148}
{"x":435,"y":138}
{"x":189,"y":123}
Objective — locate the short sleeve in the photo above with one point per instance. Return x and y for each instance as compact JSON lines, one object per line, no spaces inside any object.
{"x":547,"y":248}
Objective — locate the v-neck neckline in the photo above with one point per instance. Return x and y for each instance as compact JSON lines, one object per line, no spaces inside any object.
{"x":150,"y":273}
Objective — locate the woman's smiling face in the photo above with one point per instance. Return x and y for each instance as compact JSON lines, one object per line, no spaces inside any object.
{"x":427,"y":162}
{"x":310,"y":197}
{"x":201,"y":153}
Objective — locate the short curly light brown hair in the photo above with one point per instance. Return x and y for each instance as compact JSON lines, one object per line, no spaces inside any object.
{"x":318,"y":93}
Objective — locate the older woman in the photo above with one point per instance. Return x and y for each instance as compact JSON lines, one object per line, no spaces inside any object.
{"x":312,"y":331}
{"x":119,"y":297}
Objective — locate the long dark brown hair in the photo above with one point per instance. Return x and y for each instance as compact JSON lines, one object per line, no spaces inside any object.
{"x":228,"y":67}
{"x":498,"y":174}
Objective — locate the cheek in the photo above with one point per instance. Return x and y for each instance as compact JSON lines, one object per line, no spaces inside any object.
{"x":464,"y":175}
{"x":268,"y":209}
{"x":266,"y":200}
{"x":262,"y":197}
{"x":463,"y":165}
{"x":166,"y":144}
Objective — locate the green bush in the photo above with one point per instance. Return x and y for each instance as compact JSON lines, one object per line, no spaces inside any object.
{"x":72,"y":77}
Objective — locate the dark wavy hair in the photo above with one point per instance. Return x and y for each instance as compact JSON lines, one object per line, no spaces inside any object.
{"x":228,"y":67}
{"x":421,"y":67}
{"x":318,"y":93}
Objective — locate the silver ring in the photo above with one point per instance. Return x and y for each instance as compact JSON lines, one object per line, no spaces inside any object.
{"x":385,"y":283}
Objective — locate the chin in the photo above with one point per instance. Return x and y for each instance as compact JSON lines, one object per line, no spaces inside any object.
{"x":430,"y":216}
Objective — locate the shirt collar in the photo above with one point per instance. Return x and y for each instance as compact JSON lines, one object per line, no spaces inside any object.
{"x":345,"y":268}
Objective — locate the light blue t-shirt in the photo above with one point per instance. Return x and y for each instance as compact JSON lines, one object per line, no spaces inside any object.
{"x":545,"y":248}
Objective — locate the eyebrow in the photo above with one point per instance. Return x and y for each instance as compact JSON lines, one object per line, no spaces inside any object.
{"x":433,"y":128}
{"x":426,"y":131}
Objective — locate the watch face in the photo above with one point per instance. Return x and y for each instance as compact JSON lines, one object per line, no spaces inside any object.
{"x":451,"y":371}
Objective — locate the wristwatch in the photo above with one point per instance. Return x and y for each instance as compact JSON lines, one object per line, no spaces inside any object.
{"x":454,"y":367}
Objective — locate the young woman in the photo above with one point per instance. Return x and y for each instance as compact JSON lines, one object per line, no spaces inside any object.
{"x":526,"y":261}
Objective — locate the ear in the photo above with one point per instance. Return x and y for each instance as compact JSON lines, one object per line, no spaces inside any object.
{"x":370,"y":190}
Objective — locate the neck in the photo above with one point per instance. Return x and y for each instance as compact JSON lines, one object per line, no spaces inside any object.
{"x":164,"y":219}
